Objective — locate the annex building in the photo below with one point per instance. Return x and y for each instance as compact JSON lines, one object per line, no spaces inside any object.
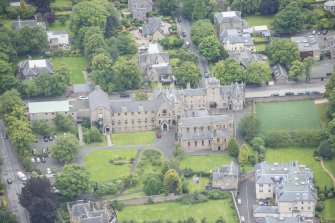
{"x":186,"y":110}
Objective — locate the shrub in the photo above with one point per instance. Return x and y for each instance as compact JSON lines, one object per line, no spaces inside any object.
{"x":188,"y":172}
{"x":117,"y":205}
{"x":216,"y":194}
{"x":299,"y":139}
{"x":108,"y":188}
{"x":194,"y":198}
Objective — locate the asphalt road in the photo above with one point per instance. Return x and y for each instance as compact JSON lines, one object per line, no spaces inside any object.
{"x":247,"y":195}
{"x":9,"y":169}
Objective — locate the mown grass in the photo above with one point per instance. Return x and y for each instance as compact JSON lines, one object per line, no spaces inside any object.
{"x":205,"y":163}
{"x":133,"y":138}
{"x":75,"y":64}
{"x":258,"y":20}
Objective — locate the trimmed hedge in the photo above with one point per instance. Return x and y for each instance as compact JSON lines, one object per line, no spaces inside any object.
{"x":298,"y":139}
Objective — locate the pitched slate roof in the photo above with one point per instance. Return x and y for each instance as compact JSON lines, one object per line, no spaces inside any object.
{"x":265,"y":209}
{"x":204,"y":120}
{"x":19,"y":24}
{"x":194,"y":92}
{"x":35,"y":67}
{"x":296,"y":219}
{"x":279,"y":72}
{"x":228,"y":17}
{"x":329,"y":3}
{"x":98,"y":98}
{"x":154,"y":24}
{"x":232,"y":36}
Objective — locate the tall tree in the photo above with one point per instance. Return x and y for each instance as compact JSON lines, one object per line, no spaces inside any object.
{"x":228,"y":71}
{"x":9,"y":101}
{"x":199,"y":10}
{"x":7,"y":79}
{"x":187,"y":8}
{"x":249,"y":127}
{"x":201,"y":29}
{"x":65,"y":148}
{"x":243,"y":155}
{"x":283,"y":51}
{"x":6,"y":216}
{"x":308,"y":64}
{"x":42,"y":210}
{"x":209,"y":47}
{"x":167,"y":7}
{"x":73,"y":180}
{"x":247,"y":7}
{"x":258,"y":72}
{"x":188,"y":72}
{"x":269,"y":7}
{"x":289,"y":20}
{"x":153,"y":184}
{"x":233,"y":147}
{"x":171,"y":182}
{"x":296,"y":70}
{"x":64,"y":123}
{"x":42,"y":5}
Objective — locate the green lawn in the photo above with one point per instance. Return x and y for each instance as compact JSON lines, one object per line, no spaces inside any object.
{"x":133,"y":138}
{"x":328,"y":211}
{"x":193,"y":186}
{"x":205,"y":163}
{"x":58,"y":26}
{"x":176,"y":211}
{"x":101,"y":170}
{"x":330,"y":165}
{"x":76,"y":66}
{"x":174,"y":62}
{"x":260,"y":47}
{"x":7,"y":23}
{"x":287,"y":116}
{"x":131,"y":195}
{"x":303,"y":156}
{"x":61,"y":3}
{"x":322,"y":111}
{"x":258,"y":20}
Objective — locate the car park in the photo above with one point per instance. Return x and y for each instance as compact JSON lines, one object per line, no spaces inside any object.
{"x":33,"y":160}
{"x":82,"y":98}
{"x":9,"y":181}
{"x":319,"y":33}
{"x":183,"y":34}
{"x":45,"y":138}
{"x":33,"y":151}
{"x":49,"y":171}
{"x":44,"y":151}
{"x":124,"y":95}
{"x":38,"y":160}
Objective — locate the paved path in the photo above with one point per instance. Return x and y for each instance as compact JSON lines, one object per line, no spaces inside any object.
{"x":109,"y":140}
{"x":80,"y":134}
{"x":328,"y":172}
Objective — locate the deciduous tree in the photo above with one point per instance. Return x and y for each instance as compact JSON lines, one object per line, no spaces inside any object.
{"x":308,"y":64}
{"x":289,"y":20}
{"x":65,"y":148}
{"x":258,"y":72}
{"x":249,"y":126}
{"x":201,"y":29}
{"x":171,"y":182}
{"x":283,"y":51}
{"x":269,"y":7}
{"x":228,"y":71}
{"x":247,"y":7}
{"x":42,"y":210}
{"x":209,"y":47}
{"x":153,"y":184}
{"x":42,"y":5}
{"x":233,"y":147}
{"x":199,"y":10}
{"x":167,"y":7}
{"x":243,"y":155}
{"x":6,"y":216}
{"x":296,"y":70}
{"x":188,"y":72}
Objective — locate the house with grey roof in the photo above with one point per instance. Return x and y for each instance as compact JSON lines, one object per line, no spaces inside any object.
{"x":226,"y":177}
{"x":153,"y":30}
{"x":19,"y":24}
{"x":154,"y":63}
{"x":308,"y":47}
{"x":29,"y":69}
{"x":58,"y":39}
{"x":279,"y":73}
{"x":82,"y":88}
{"x":246,"y":57}
{"x":140,"y":8}
{"x":296,"y":219}
{"x":234,"y":41}
{"x":229,"y":20}
{"x":329,"y":6}
{"x":91,"y":212}
{"x":291,"y":187}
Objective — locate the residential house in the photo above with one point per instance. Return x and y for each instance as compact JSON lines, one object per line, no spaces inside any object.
{"x":14,"y":4}
{"x":154,"y":62}
{"x":29,"y":69}
{"x":58,"y":39}
{"x":229,"y":20}
{"x":233,"y":40}
{"x":329,"y":6}
{"x":289,"y":185}
{"x":87,"y":211}
{"x":262,"y":31}
{"x":47,"y":110}
{"x":245,"y":57}
{"x":279,"y":73}
{"x":140,"y":8}
{"x":226,"y":177}
{"x":331,"y":45}
{"x":19,"y":24}
{"x":153,"y":30}
{"x":308,"y":47}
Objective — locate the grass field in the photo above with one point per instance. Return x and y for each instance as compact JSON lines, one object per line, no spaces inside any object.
{"x":260,"y":47}
{"x":287,"y":116}
{"x":303,"y":156}
{"x":322,"y":111}
{"x":58,"y":26}
{"x":330,"y":165}
{"x":205,"y":162}
{"x":258,"y":20}
{"x":212,"y":210}
{"x":61,"y":3}
{"x":192,"y":186}
{"x":76,"y":65}
{"x":133,"y":138}
{"x":101,"y":170}
{"x":328,"y":211}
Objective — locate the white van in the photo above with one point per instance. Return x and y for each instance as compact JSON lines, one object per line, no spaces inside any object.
{"x":21,"y":176}
{"x":187,"y":44}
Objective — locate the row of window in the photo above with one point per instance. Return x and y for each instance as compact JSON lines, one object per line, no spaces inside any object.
{"x":139,"y":121}
{"x":164,"y":113}
{"x":53,"y":113}
{"x":202,"y":128}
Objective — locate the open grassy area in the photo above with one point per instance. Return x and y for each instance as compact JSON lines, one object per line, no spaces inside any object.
{"x":212,"y":210}
{"x":76,"y":66}
{"x":258,"y":20}
{"x":58,"y":26}
{"x":200,"y":186}
{"x":328,"y":211}
{"x":61,"y":3}
{"x":97,"y":163}
{"x":205,"y":162}
{"x":288,"y":116}
{"x":303,"y":156}
{"x":330,"y":165}
{"x":260,"y":47}
{"x":7,"y":23}
{"x":322,"y":111}
{"x":133,"y":138}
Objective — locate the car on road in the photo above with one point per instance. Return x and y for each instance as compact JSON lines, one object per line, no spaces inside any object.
{"x":9,"y":181}
{"x":275,"y":95}
{"x":5,"y":136}
{"x":49,"y":171}
{"x":319,"y":33}
{"x":82,"y":98}
{"x":33,"y":160}
{"x":206,"y":74}
{"x":43,"y":160}
{"x":313,"y":32}
{"x":324,"y":32}
{"x":33,"y":151}
{"x":21,"y":176}
{"x":183,"y":34}
{"x":38,"y":160}
{"x":242,"y":219}
{"x":45,"y":138}
{"x":315,"y":92}
{"x":289,"y":93}
{"x":187,"y":44}
{"x":300,"y":93}
{"x":308,"y":92}
{"x":124,"y":95}
{"x":239,"y":201}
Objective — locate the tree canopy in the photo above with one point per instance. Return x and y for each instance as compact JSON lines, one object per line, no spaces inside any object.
{"x":171,"y":182}
{"x":188,"y":72}
{"x":283,"y":51}
{"x":249,"y":127}
{"x":296,"y":70}
{"x":258,"y":72}
{"x":65,"y":148}
{"x":246,"y":7}
{"x":199,"y":10}
{"x":201,"y":29}
{"x":228,"y":71}
{"x":209,"y":47}
{"x":167,"y":7}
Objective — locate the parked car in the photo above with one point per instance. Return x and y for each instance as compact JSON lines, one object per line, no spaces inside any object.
{"x":9,"y":181}
{"x":44,"y":151}
{"x":324,"y":32}
{"x":82,"y":98}
{"x":33,"y":151}
{"x":275,"y":95}
{"x":276,"y":35}
{"x":55,"y":190}
{"x":183,"y":34}
{"x":43,"y":159}
{"x":45,"y":138}
{"x":124,"y":95}
{"x":308,"y":92}
{"x":187,"y":44}
{"x":313,"y":32}
{"x":239,"y":201}
{"x":5,"y":136}
{"x":300,"y":93}
{"x":51,"y":138}
{"x":206,"y":74}
{"x":289,"y":93}
{"x":158,"y":135}
{"x":38,"y":160}
{"x":33,"y":160}
{"x":49,"y":171}
{"x":242,"y":219}
{"x":21,"y":176}
{"x":319,"y":33}
{"x":315,"y":92}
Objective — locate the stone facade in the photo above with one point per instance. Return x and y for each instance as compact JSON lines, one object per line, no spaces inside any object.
{"x":226,"y":177}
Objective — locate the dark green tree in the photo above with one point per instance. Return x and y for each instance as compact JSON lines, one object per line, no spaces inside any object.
{"x":6,"y":216}
{"x":209,"y":47}
{"x":233,"y":147}
{"x":167,"y":7}
{"x":199,"y":10}
{"x":228,"y":71}
{"x":283,"y":51}
{"x":249,"y":127}
{"x":65,"y":148}
{"x":201,"y":29}
{"x":258,"y":72}
{"x":153,"y":184}
{"x":188,"y":72}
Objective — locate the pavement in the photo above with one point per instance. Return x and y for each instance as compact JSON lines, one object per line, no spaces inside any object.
{"x":247,"y":194}
{"x":9,"y":169}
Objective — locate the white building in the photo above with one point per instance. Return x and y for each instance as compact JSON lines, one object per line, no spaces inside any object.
{"x":58,"y":39}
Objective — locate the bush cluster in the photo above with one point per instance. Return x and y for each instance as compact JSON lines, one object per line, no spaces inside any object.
{"x":109,"y":188}
{"x":298,"y":139}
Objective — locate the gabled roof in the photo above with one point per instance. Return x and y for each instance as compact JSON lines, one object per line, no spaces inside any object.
{"x":35,"y":67}
{"x":19,"y":24}
{"x":154,"y":24}
{"x":204,"y":120}
{"x":228,"y":17}
{"x":98,"y":98}
{"x":232,"y":36}
{"x":330,"y":3}
{"x":279,"y":72}
{"x":48,"y":106}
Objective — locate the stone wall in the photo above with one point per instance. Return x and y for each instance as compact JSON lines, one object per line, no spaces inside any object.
{"x":148,"y":199}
